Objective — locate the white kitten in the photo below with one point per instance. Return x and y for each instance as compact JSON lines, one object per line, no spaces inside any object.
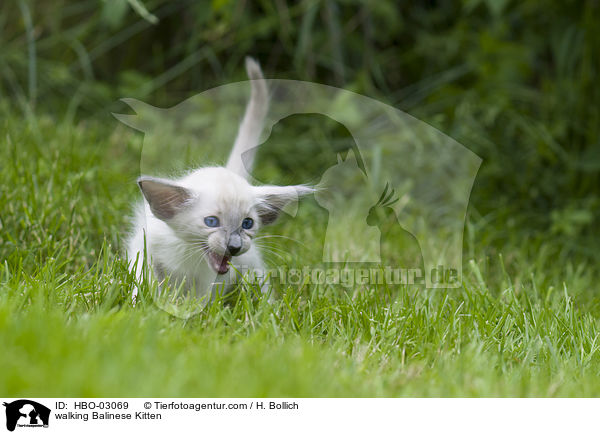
{"x":199,"y":228}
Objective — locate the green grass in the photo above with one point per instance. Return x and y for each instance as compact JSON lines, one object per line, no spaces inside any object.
{"x":523,"y":324}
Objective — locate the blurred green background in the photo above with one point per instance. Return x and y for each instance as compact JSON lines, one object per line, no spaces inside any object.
{"x":513,"y":81}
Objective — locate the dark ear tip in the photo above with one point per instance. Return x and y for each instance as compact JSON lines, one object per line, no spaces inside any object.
{"x":140,"y":181}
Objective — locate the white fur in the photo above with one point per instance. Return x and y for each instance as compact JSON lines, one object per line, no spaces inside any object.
{"x":240,"y":160}
{"x":171,"y":220}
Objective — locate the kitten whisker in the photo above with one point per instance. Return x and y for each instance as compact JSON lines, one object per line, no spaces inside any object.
{"x":281,"y":236}
{"x":263,"y":250}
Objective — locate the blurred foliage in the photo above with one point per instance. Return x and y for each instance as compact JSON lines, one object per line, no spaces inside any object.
{"x":514,"y":81}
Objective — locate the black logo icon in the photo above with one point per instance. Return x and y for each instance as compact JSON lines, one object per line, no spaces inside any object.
{"x":26,"y":413}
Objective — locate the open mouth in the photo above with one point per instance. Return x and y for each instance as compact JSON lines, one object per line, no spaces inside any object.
{"x":219,"y":263}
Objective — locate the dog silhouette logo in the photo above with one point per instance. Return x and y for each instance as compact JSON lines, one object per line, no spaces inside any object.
{"x":26,"y":413}
{"x":396,"y":193}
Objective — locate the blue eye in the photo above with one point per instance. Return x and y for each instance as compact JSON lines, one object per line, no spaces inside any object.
{"x":211,"y":222}
{"x":247,"y":223}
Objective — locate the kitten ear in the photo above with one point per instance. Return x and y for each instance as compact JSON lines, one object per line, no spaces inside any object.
{"x":272,"y":199}
{"x":164,"y":197}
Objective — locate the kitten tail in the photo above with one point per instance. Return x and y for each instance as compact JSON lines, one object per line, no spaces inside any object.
{"x":242,"y":155}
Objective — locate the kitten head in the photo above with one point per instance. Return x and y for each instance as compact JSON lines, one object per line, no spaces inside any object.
{"x":216,"y":211}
